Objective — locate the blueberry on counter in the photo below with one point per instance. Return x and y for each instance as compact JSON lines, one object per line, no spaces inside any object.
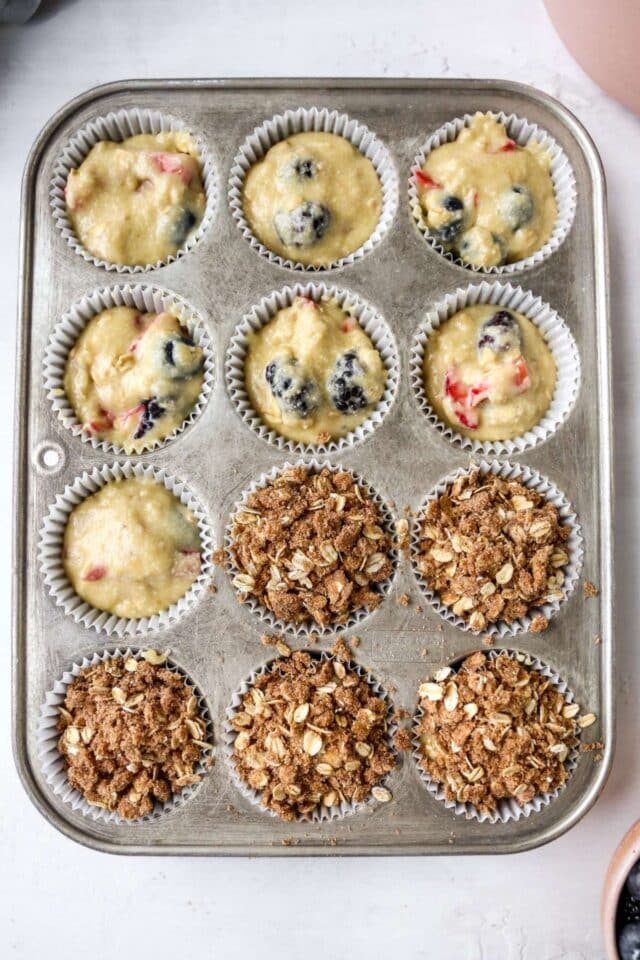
{"x":295,"y":392}
{"x":304,"y":225}
{"x":629,"y":942}
{"x":633,"y":881}
{"x":151,"y":412}
{"x":180,"y":357}
{"x":516,"y":207}
{"x":345,"y":393}
{"x":183,"y":226}
{"x":500,"y":332}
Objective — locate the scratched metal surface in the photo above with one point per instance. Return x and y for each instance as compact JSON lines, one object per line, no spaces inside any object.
{"x":217,"y":643}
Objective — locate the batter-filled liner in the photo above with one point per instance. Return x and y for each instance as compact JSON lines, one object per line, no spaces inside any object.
{"x":73,"y":322}
{"x":305,"y":120}
{"x":372,"y":324}
{"x":51,"y":542}
{"x":117,"y":127}
{"x":522,"y":132}
{"x":557,"y":336}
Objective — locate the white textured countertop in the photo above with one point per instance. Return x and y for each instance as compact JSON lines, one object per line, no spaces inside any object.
{"x":61,"y":900}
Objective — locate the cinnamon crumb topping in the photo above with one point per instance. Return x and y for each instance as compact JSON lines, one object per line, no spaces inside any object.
{"x":131,"y":734}
{"x":311,"y":733}
{"x":311,"y":547}
{"x":493,"y":550}
{"x":495,"y":730}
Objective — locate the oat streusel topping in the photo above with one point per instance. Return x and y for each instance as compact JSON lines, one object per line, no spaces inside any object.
{"x":493,"y":550}
{"x":311,"y":547}
{"x":311,"y":733}
{"x":495,"y":730}
{"x":131,"y":734}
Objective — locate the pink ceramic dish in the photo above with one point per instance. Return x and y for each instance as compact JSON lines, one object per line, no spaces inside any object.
{"x":626,"y":854}
{"x":603,"y":36}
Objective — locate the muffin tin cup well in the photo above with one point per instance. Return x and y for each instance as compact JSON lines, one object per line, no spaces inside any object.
{"x":320,"y":814}
{"x":523,"y":133}
{"x":558,"y":338}
{"x":52,"y":761}
{"x":146,"y":299}
{"x":372,"y":324}
{"x":118,"y":126}
{"x":574,"y":546}
{"x":508,"y":808}
{"x":310,"y":627}
{"x":51,"y":541}
{"x":316,"y":119}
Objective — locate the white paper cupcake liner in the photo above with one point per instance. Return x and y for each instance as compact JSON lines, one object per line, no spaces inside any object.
{"x":117,"y":127}
{"x":320,"y":814}
{"x":51,"y":544}
{"x":557,"y":336}
{"x":303,"y":121}
{"x":372,"y":324}
{"x":52,"y":761}
{"x":522,"y":132}
{"x":146,"y":299}
{"x":574,"y":546}
{"x":309,"y":627}
{"x":508,"y":808}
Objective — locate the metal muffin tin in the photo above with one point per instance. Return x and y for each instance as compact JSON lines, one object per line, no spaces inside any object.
{"x":217,"y":642}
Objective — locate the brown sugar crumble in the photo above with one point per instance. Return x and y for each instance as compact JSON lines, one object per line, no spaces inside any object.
{"x":589,"y":590}
{"x":495,"y":730}
{"x":404,"y":599}
{"x":340,"y":649}
{"x":492,"y":549}
{"x":402,"y":739}
{"x":131,"y":734}
{"x":311,"y":547}
{"x":311,"y":733}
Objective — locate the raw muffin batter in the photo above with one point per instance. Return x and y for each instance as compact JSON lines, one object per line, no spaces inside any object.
{"x":132,"y":548}
{"x":137,"y":201}
{"x":133,"y":378}
{"x":312,"y":373}
{"x":488,"y":373}
{"x":313,"y":198}
{"x":485,"y":198}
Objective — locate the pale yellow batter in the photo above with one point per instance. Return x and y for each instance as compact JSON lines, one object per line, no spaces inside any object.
{"x":485,"y":198}
{"x":312,"y":373}
{"x":137,"y":202}
{"x":133,"y":378}
{"x":313,"y":198}
{"x":132,"y":548}
{"x":489,"y":373}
